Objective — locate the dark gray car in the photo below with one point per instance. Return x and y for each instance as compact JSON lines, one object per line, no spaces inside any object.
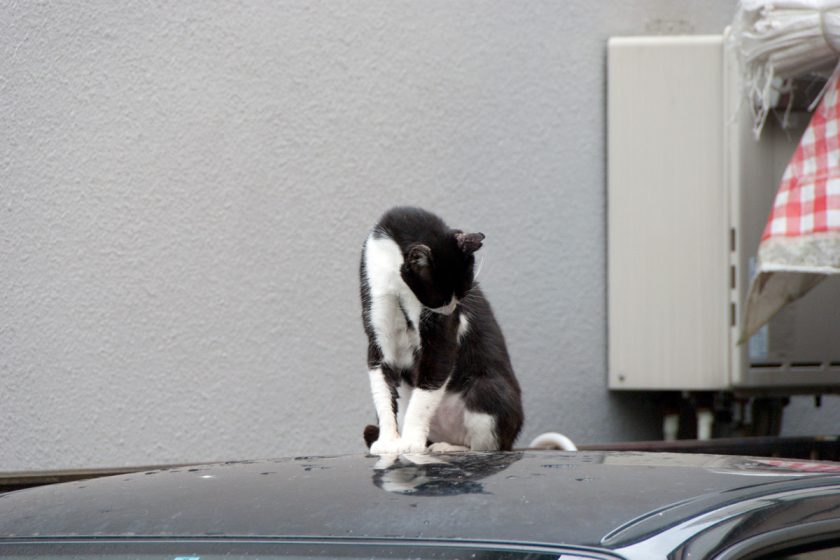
{"x":535,"y":504}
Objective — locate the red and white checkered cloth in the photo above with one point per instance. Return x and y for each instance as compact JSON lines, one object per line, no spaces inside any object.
{"x":801,"y":243}
{"x":808,"y":201}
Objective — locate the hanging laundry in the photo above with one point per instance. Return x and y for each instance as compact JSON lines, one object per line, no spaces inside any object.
{"x":801,"y":242}
{"x":779,"y":40}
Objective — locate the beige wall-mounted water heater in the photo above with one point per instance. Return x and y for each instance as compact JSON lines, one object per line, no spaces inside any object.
{"x":689,"y":192}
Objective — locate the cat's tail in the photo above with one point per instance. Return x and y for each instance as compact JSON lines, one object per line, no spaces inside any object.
{"x":370,"y":434}
{"x":553,"y":440}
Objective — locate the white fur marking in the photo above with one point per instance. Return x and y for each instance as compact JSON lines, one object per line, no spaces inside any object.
{"x":382,"y":402}
{"x":447,"y":309}
{"x":389,"y":297}
{"x":404,"y":390}
{"x":463,"y":326}
{"x":481,"y":431}
{"x":418,"y":416}
{"x":456,"y":425}
{"x":448,"y":422}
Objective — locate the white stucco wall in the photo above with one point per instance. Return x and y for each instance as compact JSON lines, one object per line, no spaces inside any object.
{"x":184,"y":190}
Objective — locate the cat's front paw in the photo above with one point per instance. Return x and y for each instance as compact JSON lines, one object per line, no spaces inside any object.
{"x":397,"y":446}
{"x":385,"y":447}
{"x":413,"y":443}
{"x":408,"y":446}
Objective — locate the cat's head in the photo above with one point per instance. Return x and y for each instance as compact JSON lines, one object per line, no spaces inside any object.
{"x":441,"y":275}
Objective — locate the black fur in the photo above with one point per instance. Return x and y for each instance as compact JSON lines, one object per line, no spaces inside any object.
{"x":438,"y":263}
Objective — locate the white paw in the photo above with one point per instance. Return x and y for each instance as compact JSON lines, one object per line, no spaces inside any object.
{"x":412,"y":446}
{"x":385,"y":447}
{"x":443,"y":447}
{"x":397,"y":446}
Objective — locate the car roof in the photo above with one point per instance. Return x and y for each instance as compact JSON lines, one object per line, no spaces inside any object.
{"x":533,"y":496}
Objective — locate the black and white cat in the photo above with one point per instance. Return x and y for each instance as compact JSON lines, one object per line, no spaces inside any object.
{"x":432,"y":339}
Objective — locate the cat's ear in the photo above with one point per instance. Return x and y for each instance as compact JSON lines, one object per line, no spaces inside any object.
{"x":419,"y":257}
{"x":469,"y":243}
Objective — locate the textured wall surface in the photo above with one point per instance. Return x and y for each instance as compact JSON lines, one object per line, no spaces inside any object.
{"x":184,"y":190}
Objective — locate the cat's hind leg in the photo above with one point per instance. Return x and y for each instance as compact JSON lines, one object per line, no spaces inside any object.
{"x":481,"y":431}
